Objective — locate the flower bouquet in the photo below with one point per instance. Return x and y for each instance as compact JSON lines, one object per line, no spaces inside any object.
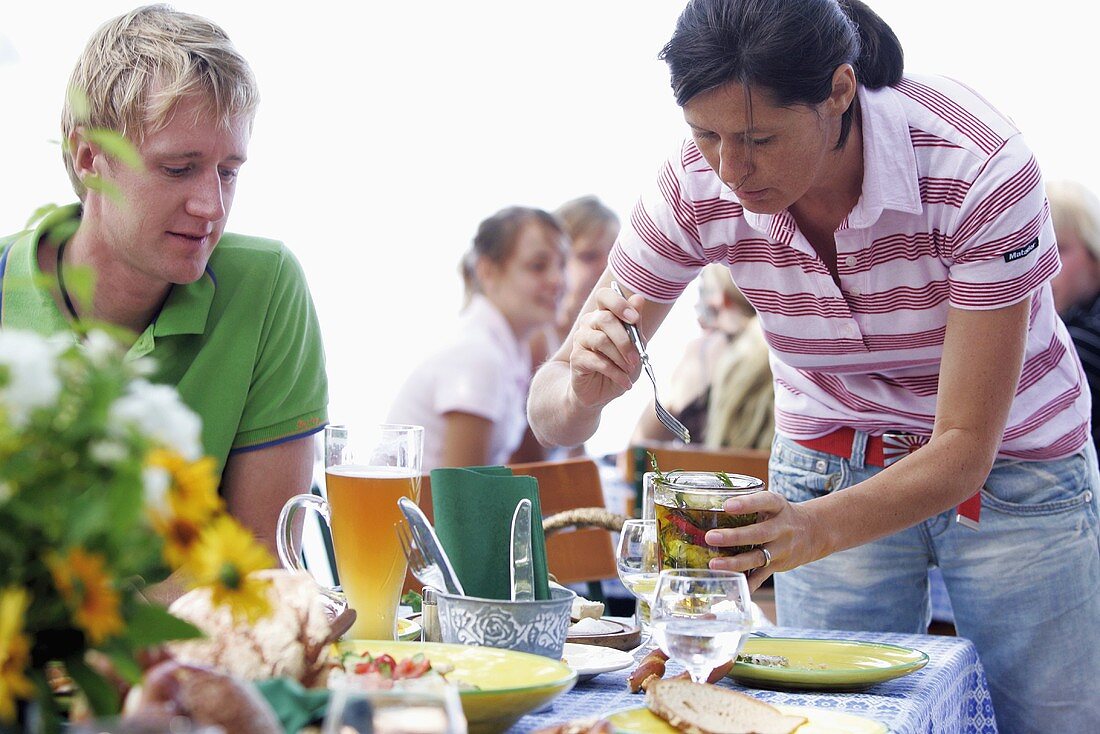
{"x":103,"y":492}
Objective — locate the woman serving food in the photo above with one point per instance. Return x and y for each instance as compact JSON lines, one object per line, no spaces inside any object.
{"x":892,"y":233}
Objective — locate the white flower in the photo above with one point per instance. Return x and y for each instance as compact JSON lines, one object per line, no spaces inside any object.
{"x":101,"y":347}
{"x":157,"y":412}
{"x":28,"y":374}
{"x":156,"y":481}
{"x":108,"y":452}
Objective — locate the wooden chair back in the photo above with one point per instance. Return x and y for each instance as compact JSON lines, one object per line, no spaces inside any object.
{"x":751,"y":462}
{"x":572,"y":556}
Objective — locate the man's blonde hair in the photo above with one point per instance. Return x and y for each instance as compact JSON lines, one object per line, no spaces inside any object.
{"x":138,"y":66}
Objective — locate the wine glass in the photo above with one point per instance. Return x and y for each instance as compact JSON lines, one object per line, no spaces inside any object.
{"x":701,"y":617}
{"x":637,"y":563}
{"x":354,"y":709}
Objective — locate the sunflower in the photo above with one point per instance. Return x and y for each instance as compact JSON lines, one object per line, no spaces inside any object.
{"x":193,"y":491}
{"x":15,"y":651}
{"x":223,"y":559}
{"x":87,"y":590}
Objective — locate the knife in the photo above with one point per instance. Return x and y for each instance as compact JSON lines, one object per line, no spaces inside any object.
{"x":522,"y":570}
{"x":425,"y":537}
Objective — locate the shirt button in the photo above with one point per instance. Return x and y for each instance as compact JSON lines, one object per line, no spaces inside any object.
{"x":854,"y":291}
{"x":850,"y":261}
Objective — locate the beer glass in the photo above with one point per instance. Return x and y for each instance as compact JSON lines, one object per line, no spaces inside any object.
{"x":367,"y":469}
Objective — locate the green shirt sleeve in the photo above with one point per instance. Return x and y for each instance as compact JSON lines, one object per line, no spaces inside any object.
{"x":288,"y":396}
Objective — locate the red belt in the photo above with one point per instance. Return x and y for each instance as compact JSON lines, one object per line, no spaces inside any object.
{"x":883,"y":451}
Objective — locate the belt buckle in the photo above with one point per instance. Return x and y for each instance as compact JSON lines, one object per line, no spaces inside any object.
{"x":897,"y":445}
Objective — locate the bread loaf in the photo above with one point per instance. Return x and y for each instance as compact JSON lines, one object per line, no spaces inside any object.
{"x":700,"y":708}
{"x":294,"y":641}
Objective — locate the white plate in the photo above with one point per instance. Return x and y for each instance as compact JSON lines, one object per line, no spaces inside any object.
{"x":591,"y":660}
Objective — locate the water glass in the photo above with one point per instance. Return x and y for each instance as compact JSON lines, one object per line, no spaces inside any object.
{"x":427,"y":710}
{"x":636,"y":560}
{"x":701,"y":617}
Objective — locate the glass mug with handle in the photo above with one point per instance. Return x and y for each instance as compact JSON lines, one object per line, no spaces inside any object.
{"x":367,"y":470}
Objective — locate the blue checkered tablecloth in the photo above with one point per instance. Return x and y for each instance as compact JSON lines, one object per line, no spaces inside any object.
{"x":950,"y":694}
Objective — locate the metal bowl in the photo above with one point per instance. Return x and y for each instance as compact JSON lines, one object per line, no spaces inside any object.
{"x":538,"y":626}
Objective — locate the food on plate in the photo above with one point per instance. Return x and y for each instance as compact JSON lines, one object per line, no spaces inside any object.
{"x":652,"y":668}
{"x":294,"y":641}
{"x":590,"y":626}
{"x":591,"y":725}
{"x":584,"y":609}
{"x":701,"y":708}
{"x":382,"y":672}
{"x":205,"y":696}
{"x":767,"y":661}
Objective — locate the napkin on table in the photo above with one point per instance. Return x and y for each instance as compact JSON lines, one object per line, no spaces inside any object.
{"x":473,"y":510}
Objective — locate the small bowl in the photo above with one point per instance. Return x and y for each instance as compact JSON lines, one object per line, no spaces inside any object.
{"x":538,"y":627}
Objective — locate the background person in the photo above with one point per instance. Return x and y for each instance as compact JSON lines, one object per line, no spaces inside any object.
{"x":1075,"y":211}
{"x":227,"y":318}
{"x":723,"y":313}
{"x":891,"y":232}
{"x":470,"y":395}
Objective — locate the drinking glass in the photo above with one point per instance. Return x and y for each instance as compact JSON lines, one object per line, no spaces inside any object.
{"x":636,"y":562}
{"x":701,"y":617}
{"x":142,"y":725}
{"x":367,"y":469}
{"x":355,"y":710}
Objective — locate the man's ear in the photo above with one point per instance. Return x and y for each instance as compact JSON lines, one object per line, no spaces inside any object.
{"x":84,"y":153}
{"x":844,"y":90}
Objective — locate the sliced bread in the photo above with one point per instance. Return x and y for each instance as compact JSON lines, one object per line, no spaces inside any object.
{"x":701,"y":708}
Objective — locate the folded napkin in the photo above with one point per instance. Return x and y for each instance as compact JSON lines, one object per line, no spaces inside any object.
{"x":473,"y":510}
{"x":295,"y":707}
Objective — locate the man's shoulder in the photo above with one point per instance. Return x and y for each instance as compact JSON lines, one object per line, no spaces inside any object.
{"x":239,"y":256}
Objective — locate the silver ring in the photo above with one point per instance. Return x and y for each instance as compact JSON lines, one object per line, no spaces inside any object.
{"x":767,"y":557}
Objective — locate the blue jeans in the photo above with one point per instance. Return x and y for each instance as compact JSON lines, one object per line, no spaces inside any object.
{"x":1025,"y":587}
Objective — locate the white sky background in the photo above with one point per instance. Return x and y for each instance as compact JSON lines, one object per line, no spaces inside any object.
{"x":388,"y":130}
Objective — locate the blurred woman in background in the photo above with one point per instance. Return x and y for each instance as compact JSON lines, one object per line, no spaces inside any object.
{"x":470,"y":396}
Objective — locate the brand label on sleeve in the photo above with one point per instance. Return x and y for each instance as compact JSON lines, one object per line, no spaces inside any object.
{"x":1022,"y":251}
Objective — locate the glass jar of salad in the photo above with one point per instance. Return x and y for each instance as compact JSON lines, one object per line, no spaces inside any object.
{"x":689,"y":503}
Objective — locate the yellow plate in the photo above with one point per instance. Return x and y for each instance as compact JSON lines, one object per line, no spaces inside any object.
{"x":408,"y":630}
{"x":819,"y":721}
{"x":509,"y":684}
{"x":825,"y":665}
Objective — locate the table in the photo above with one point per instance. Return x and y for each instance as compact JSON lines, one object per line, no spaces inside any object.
{"x":950,"y":694}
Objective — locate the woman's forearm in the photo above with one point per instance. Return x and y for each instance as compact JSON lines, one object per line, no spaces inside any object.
{"x":947,"y":471}
{"x":555,"y":416}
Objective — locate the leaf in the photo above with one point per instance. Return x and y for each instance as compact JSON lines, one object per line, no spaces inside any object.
{"x":124,"y":663}
{"x":724,"y":478}
{"x":151,"y":624}
{"x":78,"y":104}
{"x":101,"y":695}
{"x":116,"y":145}
{"x":39,"y":214}
{"x":105,"y":187}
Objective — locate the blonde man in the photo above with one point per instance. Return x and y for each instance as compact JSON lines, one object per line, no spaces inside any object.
{"x":233,"y":327}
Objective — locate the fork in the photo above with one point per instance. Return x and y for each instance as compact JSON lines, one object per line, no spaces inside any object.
{"x":426,"y":572}
{"x":668,"y":420}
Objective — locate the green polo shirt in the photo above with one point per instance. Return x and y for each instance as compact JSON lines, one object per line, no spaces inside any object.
{"x":241,"y":344}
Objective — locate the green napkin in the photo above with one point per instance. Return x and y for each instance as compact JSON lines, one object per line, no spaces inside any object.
{"x":473,"y":510}
{"x":294,"y":706}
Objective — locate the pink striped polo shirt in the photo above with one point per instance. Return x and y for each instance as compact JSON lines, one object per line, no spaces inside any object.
{"x":952,"y":213}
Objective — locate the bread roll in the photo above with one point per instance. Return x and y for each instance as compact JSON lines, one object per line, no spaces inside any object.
{"x":203,"y":696}
{"x":701,"y":708}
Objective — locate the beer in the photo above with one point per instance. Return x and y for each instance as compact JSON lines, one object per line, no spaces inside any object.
{"x":365,"y":516}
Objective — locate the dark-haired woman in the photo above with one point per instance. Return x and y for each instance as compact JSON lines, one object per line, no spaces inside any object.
{"x":892,"y":233}
{"x":470,"y":395}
